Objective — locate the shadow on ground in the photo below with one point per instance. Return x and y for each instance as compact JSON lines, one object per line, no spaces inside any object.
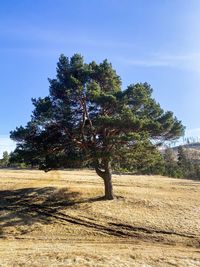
{"x":22,"y":208}
{"x":27,"y":206}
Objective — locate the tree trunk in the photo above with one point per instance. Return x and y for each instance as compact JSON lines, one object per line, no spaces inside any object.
{"x":106,"y":175}
{"x":108,"y":187}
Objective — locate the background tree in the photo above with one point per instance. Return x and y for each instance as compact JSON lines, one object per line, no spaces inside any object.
{"x":189,"y":162}
{"x":4,"y":162}
{"x":139,"y":158}
{"x":172,"y":168}
{"x":87,"y":115}
{"x":183,"y":161}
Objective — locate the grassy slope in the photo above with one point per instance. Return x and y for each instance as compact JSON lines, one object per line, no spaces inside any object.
{"x":58,"y":219}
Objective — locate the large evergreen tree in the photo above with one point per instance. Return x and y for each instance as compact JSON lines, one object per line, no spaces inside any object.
{"x":87,"y":116}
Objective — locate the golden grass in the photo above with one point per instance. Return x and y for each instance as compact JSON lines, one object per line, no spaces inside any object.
{"x":59,"y":219}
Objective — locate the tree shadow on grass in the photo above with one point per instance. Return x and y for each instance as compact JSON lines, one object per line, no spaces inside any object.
{"x":27,"y":206}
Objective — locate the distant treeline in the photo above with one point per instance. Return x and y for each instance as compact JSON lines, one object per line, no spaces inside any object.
{"x":179,"y":162}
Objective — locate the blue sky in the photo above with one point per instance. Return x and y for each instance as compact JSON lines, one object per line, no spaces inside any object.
{"x":154,"y":41}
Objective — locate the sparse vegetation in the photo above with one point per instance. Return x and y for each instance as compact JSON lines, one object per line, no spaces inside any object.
{"x":59,"y":219}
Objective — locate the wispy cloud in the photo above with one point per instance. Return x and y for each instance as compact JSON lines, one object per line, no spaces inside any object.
{"x":145,"y":62}
{"x":61,"y":37}
{"x":190,"y":61}
{"x":6,"y":144}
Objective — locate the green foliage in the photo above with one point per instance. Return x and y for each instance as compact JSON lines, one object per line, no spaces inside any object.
{"x":181,"y":164}
{"x":172,"y":168}
{"x":4,"y":162}
{"x":140,"y":158}
{"x":87,"y":116}
{"x":188,"y":163}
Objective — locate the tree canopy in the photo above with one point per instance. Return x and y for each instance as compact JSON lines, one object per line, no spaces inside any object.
{"x":87,"y":116}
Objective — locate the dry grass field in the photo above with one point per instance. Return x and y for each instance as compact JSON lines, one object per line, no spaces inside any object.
{"x":59,"y":219}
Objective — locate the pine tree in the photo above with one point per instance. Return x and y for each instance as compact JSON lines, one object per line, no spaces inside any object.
{"x":171,"y":165}
{"x":141,"y":158}
{"x":87,"y":116}
{"x":183,"y":161}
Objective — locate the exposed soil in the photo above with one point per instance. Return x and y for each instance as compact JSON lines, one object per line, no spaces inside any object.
{"x":60,"y":219}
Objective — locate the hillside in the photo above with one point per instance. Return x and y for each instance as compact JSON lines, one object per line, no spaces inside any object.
{"x":193,"y":145}
{"x":59,"y":219}
{"x":192,"y":150}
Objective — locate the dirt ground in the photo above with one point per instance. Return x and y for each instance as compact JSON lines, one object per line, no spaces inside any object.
{"x":59,"y":219}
